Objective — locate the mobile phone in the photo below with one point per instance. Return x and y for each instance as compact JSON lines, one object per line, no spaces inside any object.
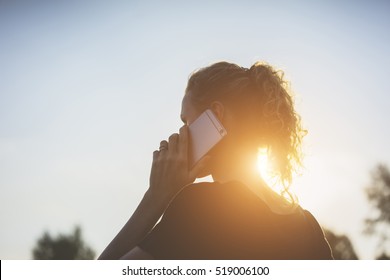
{"x":205,"y":132}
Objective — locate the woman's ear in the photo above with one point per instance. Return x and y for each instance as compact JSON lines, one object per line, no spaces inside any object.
{"x":218,"y":109}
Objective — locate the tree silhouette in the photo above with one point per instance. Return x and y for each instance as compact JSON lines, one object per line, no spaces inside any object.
{"x":341,"y":246}
{"x":378,"y":223}
{"x":63,"y":247}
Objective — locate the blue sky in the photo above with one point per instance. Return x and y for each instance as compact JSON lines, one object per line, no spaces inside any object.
{"x":89,"y":88}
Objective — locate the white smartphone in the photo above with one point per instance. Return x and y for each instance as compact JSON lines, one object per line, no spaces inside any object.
{"x":205,"y":132}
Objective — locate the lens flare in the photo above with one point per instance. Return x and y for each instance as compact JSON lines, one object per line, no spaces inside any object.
{"x":264,"y":167}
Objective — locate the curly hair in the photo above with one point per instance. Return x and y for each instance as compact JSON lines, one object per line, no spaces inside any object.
{"x":260,"y":98}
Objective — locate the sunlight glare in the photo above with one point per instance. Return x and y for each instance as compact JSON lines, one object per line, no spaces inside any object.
{"x":263,"y":166}
{"x":265,"y":169}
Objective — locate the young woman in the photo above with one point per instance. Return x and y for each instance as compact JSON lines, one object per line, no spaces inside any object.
{"x":237,"y":216}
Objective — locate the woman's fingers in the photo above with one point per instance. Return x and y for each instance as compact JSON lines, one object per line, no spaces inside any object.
{"x":183,"y":141}
{"x":155,"y":155}
{"x":170,"y":162}
{"x":177,"y":142}
{"x":163,"y":146}
{"x":173,"y":141}
{"x":170,"y":172}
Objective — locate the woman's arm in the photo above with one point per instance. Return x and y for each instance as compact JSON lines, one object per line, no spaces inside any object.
{"x":137,"y":227}
{"x":168,"y":176}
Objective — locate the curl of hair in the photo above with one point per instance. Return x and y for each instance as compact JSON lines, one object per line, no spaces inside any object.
{"x":261,"y":99}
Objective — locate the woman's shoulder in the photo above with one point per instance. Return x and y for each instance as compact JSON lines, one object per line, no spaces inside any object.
{"x":209,"y":191}
{"x":215,"y":198}
{"x":204,"y":193}
{"x":209,"y":208}
{"x":320,"y":247}
{"x":193,"y":194}
{"x":313,"y":225}
{"x":235,"y":196}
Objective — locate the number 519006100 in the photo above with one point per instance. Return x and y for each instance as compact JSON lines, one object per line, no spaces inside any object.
{"x":232,"y":270}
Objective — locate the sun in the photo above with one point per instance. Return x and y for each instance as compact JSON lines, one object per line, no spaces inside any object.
{"x":267,"y":173}
{"x":262,"y":162}
{"x":263,"y":165}
{"x":265,"y":168}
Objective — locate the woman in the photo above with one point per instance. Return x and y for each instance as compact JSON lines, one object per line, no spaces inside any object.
{"x":237,"y":216}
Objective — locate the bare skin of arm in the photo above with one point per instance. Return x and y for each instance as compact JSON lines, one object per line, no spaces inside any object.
{"x":169,"y":174}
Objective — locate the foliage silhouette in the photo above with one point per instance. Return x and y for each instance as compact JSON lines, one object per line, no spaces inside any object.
{"x":383,"y":256}
{"x":63,"y":247}
{"x":378,"y":223}
{"x":341,"y":246}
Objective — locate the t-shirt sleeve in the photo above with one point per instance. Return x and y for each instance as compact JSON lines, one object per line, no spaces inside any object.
{"x":171,"y":237}
{"x":320,"y":247}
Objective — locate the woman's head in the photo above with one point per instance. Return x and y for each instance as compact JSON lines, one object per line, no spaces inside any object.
{"x":256,"y":108}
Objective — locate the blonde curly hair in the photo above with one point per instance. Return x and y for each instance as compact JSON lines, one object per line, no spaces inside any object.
{"x":260,"y":98}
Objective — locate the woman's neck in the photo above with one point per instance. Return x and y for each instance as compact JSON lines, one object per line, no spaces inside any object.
{"x":240,"y":166}
{"x":246,"y":174}
{"x":245,"y":171}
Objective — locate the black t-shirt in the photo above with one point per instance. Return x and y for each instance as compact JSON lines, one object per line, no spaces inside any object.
{"x":228,"y":221}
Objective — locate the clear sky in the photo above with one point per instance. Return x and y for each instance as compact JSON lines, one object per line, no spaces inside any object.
{"x":88,"y":89}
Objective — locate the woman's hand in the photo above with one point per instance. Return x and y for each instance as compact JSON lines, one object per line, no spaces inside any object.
{"x":170,"y":171}
{"x":168,"y":176}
